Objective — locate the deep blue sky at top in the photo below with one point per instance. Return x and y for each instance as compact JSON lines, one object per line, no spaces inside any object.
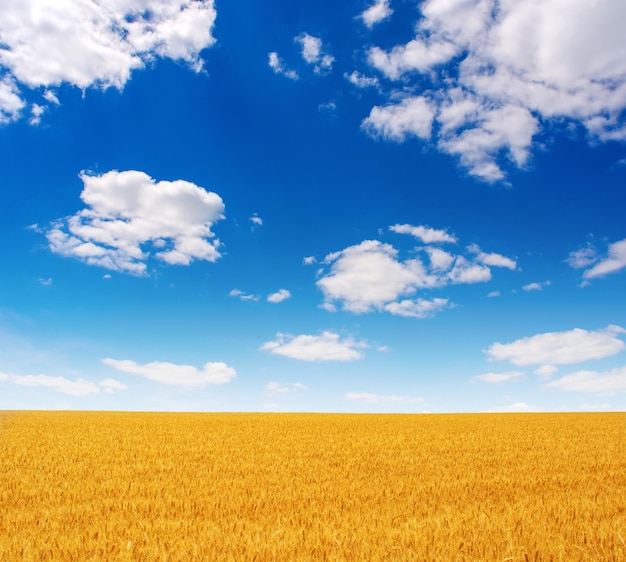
{"x":306,"y":168}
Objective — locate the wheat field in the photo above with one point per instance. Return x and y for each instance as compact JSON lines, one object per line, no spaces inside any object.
{"x":90,"y":486}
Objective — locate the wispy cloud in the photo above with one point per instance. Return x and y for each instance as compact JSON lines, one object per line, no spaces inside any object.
{"x":597,"y":382}
{"x":601,"y":265}
{"x":560,"y":348}
{"x":372,"y":398}
{"x":273,"y":387}
{"x":176,"y":375}
{"x":243,"y":296}
{"x":278,"y":66}
{"x":377,"y":12}
{"x":498,"y":378}
{"x":73,"y":387}
{"x":315,"y":53}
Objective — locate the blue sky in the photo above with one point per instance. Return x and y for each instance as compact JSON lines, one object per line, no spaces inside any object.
{"x":370,"y":206}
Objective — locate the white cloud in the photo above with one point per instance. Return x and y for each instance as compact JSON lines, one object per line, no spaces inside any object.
{"x":497,"y":378}
{"x":243,"y":296}
{"x":606,"y":382}
{"x":309,"y":260}
{"x":424,"y":233}
{"x":492,"y":259}
{"x":76,"y":387}
{"x":493,"y":294}
{"x":494,"y":73}
{"x":45,"y":282}
{"x":36,"y":111}
{"x":313,"y":52}
{"x":584,"y":257}
{"x":83,"y":43}
{"x":176,"y":375}
{"x":413,"y":116}
{"x":517,"y":407}
{"x":418,"y":308}
{"x":256,"y":220}
{"x":371,"y":398}
{"x":127,"y":211}
{"x":546,"y":371}
{"x":614,"y":261}
{"x":361,"y":81}
{"x":279,"y":296}
{"x":536,"y":286}
{"x":273,"y":387}
{"x":278,"y":66}
{"x":370,"y":276}
{"x":560,"y":348}
{"x":328,"y":346}
{"x":109,"y":386}
{"x":416,"y":55}
{"x":11,"y":104}
{"x":377,"y":12}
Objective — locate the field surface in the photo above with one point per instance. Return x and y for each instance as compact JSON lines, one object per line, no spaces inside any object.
{"x":90,"y":486}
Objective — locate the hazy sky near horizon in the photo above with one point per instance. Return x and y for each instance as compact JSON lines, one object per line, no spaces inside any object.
{"x":365,"y":206}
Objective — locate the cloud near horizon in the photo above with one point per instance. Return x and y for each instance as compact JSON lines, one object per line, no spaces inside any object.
{"x":75,"y":387}
{"x":188,"y":376}
{"x":606,"y":382}
{"x":128,"y":211}
{"x":560,"y":348}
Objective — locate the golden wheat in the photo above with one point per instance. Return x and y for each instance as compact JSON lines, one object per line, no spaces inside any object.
{"x":89,"y":486}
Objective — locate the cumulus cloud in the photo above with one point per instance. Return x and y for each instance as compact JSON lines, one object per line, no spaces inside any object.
{"x":314,"y":52}
{"x":497,"y":378}
{"x":605,"y":382}
{"x":176,"y":375}
{"x":560,"y":348}
{"x":612,"y":262}
{"x":75,"y":387}
{"x":278,"y":66}
{"x":493,"y":73}
{"x":370,"y":276}
{"x":129,"y":216}
{"x":377,"y":12}
{"x":328,"y":346}
{"x":273,"y":387}
{"x":372,"y":398}
{"x":49,"y":42}
{"x":309,"y":260}
{"x":279,"y":296}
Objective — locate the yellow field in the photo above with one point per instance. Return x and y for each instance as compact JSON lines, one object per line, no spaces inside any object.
{"x":133,"y":486}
